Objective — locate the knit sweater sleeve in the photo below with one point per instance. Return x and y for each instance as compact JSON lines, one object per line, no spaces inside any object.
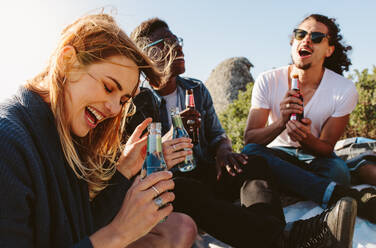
{"x":107,"y":204}
{"x":16,"y":194}
{"x":18,"y":173}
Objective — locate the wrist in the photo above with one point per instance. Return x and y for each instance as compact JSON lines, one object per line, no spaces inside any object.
{"x":307,"y":140}
{"x":223,"y":146}
{"x":123,"y":169}
{"x":281,"y":123}
{"x":108,"y":236}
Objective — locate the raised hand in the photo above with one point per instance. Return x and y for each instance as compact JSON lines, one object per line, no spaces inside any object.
{"x":289,"y":105}
{"x":190,"y":114}
{"x":134,"y":153}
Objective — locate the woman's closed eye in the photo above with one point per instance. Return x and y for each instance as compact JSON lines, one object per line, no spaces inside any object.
{"x":107,"y":88}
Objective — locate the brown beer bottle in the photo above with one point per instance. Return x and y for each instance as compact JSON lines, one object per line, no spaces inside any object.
{"x":191,"y":123}
{"x":296,"y":87}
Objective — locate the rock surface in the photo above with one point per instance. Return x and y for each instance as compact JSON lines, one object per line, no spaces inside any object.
{"x":227,"y":79}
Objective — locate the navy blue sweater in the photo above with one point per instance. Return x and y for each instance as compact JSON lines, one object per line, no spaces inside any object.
{"x":42,"y":202}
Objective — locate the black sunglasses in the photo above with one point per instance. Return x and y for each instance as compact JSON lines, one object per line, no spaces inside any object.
{"x":316,"y":37}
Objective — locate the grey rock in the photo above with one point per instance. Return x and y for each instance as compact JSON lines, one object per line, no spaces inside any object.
{"x":227,"y":79}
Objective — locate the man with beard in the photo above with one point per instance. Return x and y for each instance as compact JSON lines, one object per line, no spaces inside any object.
{"x":300,"y":153}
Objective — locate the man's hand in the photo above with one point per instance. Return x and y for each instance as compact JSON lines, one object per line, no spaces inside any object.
{"x":289,"y":105}
{"x":190,"y":114}
{"x":299,"y":130}
{"x":229,"y":160}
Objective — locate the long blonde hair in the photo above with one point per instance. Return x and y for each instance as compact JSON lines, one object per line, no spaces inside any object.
{"x":95,"y":38}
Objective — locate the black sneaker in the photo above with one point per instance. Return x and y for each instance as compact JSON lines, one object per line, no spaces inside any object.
{"x":367,"y":204}
{"x":332,"y":228}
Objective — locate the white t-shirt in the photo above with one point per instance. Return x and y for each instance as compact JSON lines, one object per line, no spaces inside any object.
{"x":172,"y":102}
{"x":336,"y":96}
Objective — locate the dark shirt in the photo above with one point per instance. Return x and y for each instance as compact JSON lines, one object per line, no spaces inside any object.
{"x":42,"y":202}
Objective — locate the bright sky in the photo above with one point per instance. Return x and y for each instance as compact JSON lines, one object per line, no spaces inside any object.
{"x":213,"y":30}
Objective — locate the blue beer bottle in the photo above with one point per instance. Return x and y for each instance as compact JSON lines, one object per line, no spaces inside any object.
{"x":154,"y":156}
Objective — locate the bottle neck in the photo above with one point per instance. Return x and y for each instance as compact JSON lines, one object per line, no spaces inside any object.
{"x":177,"y":121}
{"x":189,"y":101}
{"x":295,"y":84}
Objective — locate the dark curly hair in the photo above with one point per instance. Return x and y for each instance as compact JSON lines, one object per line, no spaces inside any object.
{"x":162,"y":57}
{"x":146,"y":28}
{"x":339,"y":60}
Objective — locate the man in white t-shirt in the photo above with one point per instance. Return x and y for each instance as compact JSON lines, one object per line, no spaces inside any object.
{"x":300,"y":153}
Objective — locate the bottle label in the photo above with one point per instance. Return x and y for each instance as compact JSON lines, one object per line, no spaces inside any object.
{"x":177,"y":121}
{"x":154,"y":143}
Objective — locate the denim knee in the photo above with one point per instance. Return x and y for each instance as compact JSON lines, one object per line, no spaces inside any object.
{"x":253,"y":149}
{"x":334,"y":169}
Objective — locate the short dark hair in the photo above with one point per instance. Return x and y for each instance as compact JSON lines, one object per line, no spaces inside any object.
{"x":339,"y":60}
{"x":146,"y":28}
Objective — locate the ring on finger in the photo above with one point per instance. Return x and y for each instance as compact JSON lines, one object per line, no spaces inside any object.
{"x":158,"y":201}
{"x":173,"y":147}
{"x":156,"y":190}
{"x":288,"y":105}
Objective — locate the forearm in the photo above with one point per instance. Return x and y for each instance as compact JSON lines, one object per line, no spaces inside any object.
{"x":316,"y":146}
{"x":108,"y":202}
{"x":224,"y":144}
{"x":264,"y":135}
{"x":107,"y":237}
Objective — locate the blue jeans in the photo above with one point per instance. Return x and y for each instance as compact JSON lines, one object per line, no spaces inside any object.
{"x":303,"y":174}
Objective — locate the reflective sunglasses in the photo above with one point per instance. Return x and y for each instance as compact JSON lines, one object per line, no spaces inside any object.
{"x":316,"y":37}
{"x":178,"y":41}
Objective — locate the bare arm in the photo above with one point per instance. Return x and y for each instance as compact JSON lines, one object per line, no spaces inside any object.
{"x":256,"y":130}
{"x":324,"y":145}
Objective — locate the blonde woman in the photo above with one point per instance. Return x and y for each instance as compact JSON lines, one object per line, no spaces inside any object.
{"x":61,"y":184}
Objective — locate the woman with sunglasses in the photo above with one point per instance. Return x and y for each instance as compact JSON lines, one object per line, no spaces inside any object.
{"x":62,"y":180}
{"x":300,"y":153}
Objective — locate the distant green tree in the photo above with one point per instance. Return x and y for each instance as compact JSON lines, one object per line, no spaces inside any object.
{"x":363,"y":118}
{"x":234,"y":117}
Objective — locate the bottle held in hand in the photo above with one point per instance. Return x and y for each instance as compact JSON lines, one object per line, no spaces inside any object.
{"x":193,"y":129}
{"x":179,"y":131}
{"x":154,"y":161}
{"x":154,"y":156}
{"x":296,"y":87}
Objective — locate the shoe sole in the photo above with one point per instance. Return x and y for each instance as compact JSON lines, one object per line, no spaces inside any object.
{"x":347,"y":211}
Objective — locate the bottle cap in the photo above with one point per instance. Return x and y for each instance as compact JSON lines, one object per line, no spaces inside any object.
{"x":155,"y":125}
